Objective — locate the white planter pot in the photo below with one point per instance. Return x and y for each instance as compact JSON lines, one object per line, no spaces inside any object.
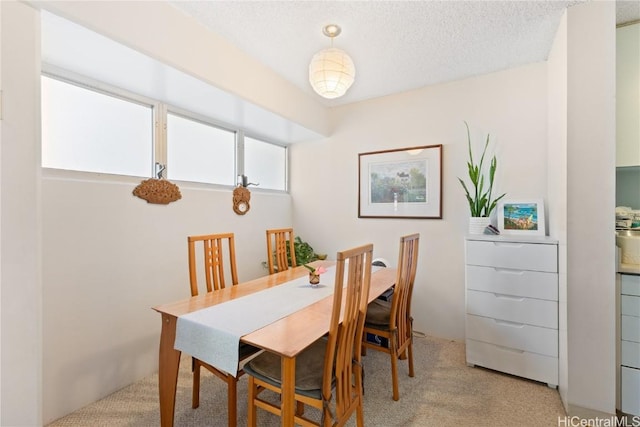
{"x":478,"y":224}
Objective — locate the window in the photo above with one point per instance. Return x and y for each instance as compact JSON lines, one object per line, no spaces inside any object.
{"x":265,"y":163}
{"x":86,"y":130}
{"x":199,"y":152}
{"x":110,"y":130}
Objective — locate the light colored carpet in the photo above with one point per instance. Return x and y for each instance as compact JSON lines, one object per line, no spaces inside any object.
{"x":444,"y":392}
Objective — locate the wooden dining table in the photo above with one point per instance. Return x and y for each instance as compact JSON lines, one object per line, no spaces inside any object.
{"x":286,"y":337}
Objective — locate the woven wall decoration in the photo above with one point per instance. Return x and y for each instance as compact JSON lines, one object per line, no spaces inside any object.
{"x":157,"y":191}
{"x":241,"y":197}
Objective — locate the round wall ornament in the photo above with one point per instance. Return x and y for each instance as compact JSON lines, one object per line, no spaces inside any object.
{"x":241,"y":197}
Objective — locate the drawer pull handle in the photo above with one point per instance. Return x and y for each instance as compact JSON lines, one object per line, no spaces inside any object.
{"x":507,"y":271}
{"x":509,"y":297}
{"x":508,"y":244}
{"x":512,"y":350}
{"x":511,"y":324}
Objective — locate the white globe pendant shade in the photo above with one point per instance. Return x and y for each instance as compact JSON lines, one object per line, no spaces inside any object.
{"x":331,"y":73}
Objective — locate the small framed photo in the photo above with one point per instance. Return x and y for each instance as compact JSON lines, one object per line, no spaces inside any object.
{"x":401,"y":183}
{"x":524,"y":216}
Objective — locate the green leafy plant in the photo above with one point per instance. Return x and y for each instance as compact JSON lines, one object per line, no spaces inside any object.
{"x":304,"y":252}
{"x":480,"y":202}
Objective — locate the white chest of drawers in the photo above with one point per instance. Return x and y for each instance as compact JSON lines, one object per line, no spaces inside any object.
{"x":630,"y":344}
{"x":512,"y":305}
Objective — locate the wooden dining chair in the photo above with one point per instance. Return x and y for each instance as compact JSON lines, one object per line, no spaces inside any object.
{"x":328,"y":372}
{"x":280,"y":249}
{"x":216,"y":271}
{"x":392,"y":319}
{"x":213,"y":256}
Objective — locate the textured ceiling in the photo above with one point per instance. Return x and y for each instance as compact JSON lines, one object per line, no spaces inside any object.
{"x":395,"y":45}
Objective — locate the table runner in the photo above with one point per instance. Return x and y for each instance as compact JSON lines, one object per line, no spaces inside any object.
{"x":213,"y":334}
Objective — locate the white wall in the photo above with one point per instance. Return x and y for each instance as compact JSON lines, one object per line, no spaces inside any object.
{"x":108,"y":258}
{"x":557,"y":187}
{"x":582,"y":179}
{"x":628,"y":95}
{"x":590,"y":206}
{"x":21,"y":375}
{"x":511,"y":105}
{"x":161,"y":31}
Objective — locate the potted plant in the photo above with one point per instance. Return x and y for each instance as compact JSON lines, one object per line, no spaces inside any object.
{"x":304,"y":253}
{"x":480,"y":196}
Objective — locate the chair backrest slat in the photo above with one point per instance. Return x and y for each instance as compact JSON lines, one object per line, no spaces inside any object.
{"x":342,"y":357}
{"x":213,"y":250}
{"x":280,"y":249}
{"x":401,"y":304}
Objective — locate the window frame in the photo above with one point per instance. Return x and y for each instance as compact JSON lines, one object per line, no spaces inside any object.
{"x":260,"y":138}
{"x":105,"y":89}
{"x":199,"y":118}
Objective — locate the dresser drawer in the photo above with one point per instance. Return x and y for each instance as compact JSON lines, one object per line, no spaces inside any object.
{"x":515,"y":309}
{"x":630,"y":305}
{"x":519,"y":336}
{"x":630,"y":284}
{"x":630,"y":354}
{"x":513,"y":255}
{"x":523,"y":283}
{"x":630,"y":390}
{"x":630,"y":328}
{"x":517,"y":362}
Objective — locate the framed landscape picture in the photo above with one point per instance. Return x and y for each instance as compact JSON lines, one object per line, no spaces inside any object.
{"x":402,"y":183}
{"x":521,"y":217}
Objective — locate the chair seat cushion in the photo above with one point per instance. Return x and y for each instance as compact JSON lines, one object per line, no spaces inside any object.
{"x":378,"y":313}
{"x":309,"y":369}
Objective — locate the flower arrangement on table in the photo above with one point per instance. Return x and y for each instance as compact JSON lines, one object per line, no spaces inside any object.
{"x":314,"y":273}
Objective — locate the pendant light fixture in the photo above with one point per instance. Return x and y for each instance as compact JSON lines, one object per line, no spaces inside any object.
{"x":331,"y":71}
